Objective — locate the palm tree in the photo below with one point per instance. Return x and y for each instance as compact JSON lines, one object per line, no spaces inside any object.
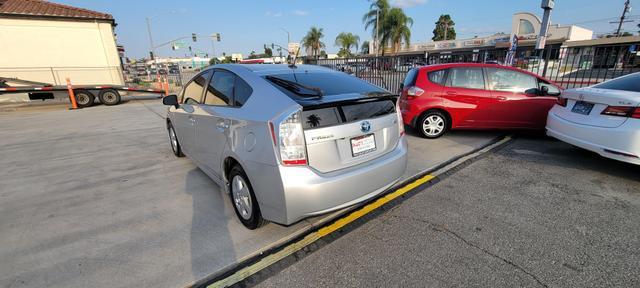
{"x":370,"y":19}
{"x":395,"y":29}
{"x":364,"y":48}
{"x":346,"y":40}
{"x":313,"y":41}
{"x":374,"y":17}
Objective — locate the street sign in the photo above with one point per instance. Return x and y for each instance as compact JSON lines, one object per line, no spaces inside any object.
{"x":293,"y":48}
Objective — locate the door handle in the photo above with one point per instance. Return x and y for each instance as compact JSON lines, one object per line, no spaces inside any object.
{"x":502,"y":98}
{"x":452,"y":93}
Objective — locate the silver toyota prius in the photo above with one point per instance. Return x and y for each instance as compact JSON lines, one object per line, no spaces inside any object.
{"x":288,"y":142}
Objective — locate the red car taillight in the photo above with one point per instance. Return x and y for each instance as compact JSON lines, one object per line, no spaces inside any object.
{"x":290,"y":140}
{"x":414,"y":91}
{"x":561,"y":101}
{"x":622,"y":111}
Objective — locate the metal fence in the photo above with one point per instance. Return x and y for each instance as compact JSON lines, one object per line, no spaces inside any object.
{"x":176,"y":81}
{"x":568,"y":66}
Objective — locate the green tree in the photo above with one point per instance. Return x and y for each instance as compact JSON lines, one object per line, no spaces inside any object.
{"x":375,"y":16}
{"x":395,"y":29}
{"x":444,"y":29}
{"x":267,"y":51}
{"x":313,"y":41}
{"x":364,"y":48}
{"x":345,"y":41}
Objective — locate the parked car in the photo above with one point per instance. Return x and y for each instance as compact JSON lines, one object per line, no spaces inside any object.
{"x":288,"y":142}
{"x":437,"y":98}
{"x":604,"y":118}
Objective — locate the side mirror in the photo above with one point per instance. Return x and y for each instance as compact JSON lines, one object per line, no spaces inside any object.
{"x":171,"y":100}
{"x":544,"y":90}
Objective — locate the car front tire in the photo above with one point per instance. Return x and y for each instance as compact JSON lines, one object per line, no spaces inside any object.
{"x":243,"y":199}
{"x":173,"y":140}
{"x":432,"y":124}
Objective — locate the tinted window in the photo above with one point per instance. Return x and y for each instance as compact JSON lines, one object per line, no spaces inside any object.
{"x":242,"y":92}
{"x":510,"y":81}
{"x":437,"y":77}
{"x":410,"y":79}
{"x":193,"y":92}
{"x":220,"y":89}
{"x":553,"y":90}
{"x":627,"y":83}
{"x":320,"y":117}
{"x":330,"y":83}
{"x":367,"y":110}
{"x":471,"y":78}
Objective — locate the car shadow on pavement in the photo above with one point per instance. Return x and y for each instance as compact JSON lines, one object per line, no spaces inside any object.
{"x":211,"y":244}
{"x":546,"y":150}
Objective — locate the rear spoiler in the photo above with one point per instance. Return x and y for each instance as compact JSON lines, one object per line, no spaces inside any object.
{"x":331,"y":101}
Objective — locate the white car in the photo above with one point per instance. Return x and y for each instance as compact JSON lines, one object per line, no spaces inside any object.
{"x":604,"y":118}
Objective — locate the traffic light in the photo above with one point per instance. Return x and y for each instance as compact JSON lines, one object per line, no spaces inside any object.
{"x":189,"y":48}
{"x":193,"y":37}
{"x":151,"y":55}
{"x":218,"y":37}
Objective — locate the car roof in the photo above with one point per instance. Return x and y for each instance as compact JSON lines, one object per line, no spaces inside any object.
{"x":271,"y":69}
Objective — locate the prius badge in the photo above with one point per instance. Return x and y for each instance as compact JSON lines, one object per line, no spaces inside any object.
{"x":365,"y":126}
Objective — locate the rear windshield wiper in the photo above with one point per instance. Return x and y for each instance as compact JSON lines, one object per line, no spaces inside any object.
{"x":295,"y":87}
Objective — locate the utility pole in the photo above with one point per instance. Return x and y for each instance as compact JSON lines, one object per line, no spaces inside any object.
{"x":627,"y":7}
{"x":375,"y":41}
{"x":547,"y":5}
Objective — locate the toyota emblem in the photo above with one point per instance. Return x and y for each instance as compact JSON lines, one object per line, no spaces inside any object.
{"x":365,"y":126}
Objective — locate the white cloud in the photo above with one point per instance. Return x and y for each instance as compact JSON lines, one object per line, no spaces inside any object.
{"x":300,"y":13}
{"x":273,"y":14}
{"x":407,"y":3}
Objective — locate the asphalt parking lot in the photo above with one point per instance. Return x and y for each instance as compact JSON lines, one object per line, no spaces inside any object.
{"x":95,"y":198}
{"x":534,"y":213}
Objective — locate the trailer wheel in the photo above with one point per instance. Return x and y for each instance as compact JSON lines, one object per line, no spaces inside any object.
{"x":84,"y":98}
{"x":109,"y":97}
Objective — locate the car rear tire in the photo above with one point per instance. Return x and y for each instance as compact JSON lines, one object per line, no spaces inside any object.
{"x":84,"y":98}
{"x":173,"y":140}
{"x":109,"y":97}
{"x":243,"y":199}
{"x":433,"y":124}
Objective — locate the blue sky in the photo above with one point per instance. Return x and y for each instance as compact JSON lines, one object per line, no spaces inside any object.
{"x":246,"y":24}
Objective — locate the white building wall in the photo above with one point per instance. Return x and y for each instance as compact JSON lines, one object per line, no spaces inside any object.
{"x":50,"y":50}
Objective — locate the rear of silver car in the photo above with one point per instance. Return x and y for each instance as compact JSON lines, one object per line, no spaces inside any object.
{"x":337,"y":154}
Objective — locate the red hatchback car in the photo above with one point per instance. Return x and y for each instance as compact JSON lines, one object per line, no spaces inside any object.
{"x":437,"y":98}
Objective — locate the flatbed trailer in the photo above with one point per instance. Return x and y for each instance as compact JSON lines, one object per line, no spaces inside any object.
{"x":80,"y":95}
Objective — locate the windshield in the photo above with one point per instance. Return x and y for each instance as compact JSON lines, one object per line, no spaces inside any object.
{"x":626,"y":83}
{"x":326,"y":83}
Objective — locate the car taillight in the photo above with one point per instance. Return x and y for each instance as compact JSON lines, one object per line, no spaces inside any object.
{"x":290,"y":140}
{"x":414,"y":91}
{"x":622,"y":111}
{"x":636,"y":113}
{"x":561,"y":101}
{"x":399,"y":115}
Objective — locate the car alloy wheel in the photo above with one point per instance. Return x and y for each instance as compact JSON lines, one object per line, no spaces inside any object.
{"x":241,"y":197}
{"x":173,"y":139}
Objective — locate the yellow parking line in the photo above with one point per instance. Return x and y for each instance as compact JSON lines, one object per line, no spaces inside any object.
{"x":314,"y":236}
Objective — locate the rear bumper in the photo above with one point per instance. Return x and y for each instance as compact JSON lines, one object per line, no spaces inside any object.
{"x":604,"y":141}
{"x":308,"y":192}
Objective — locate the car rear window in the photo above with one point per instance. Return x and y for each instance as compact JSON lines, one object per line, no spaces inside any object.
{"x":410,"y":79}
{"x":330,"y":83}
{"x":627,"y":83}
{"x":331,"y":116}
